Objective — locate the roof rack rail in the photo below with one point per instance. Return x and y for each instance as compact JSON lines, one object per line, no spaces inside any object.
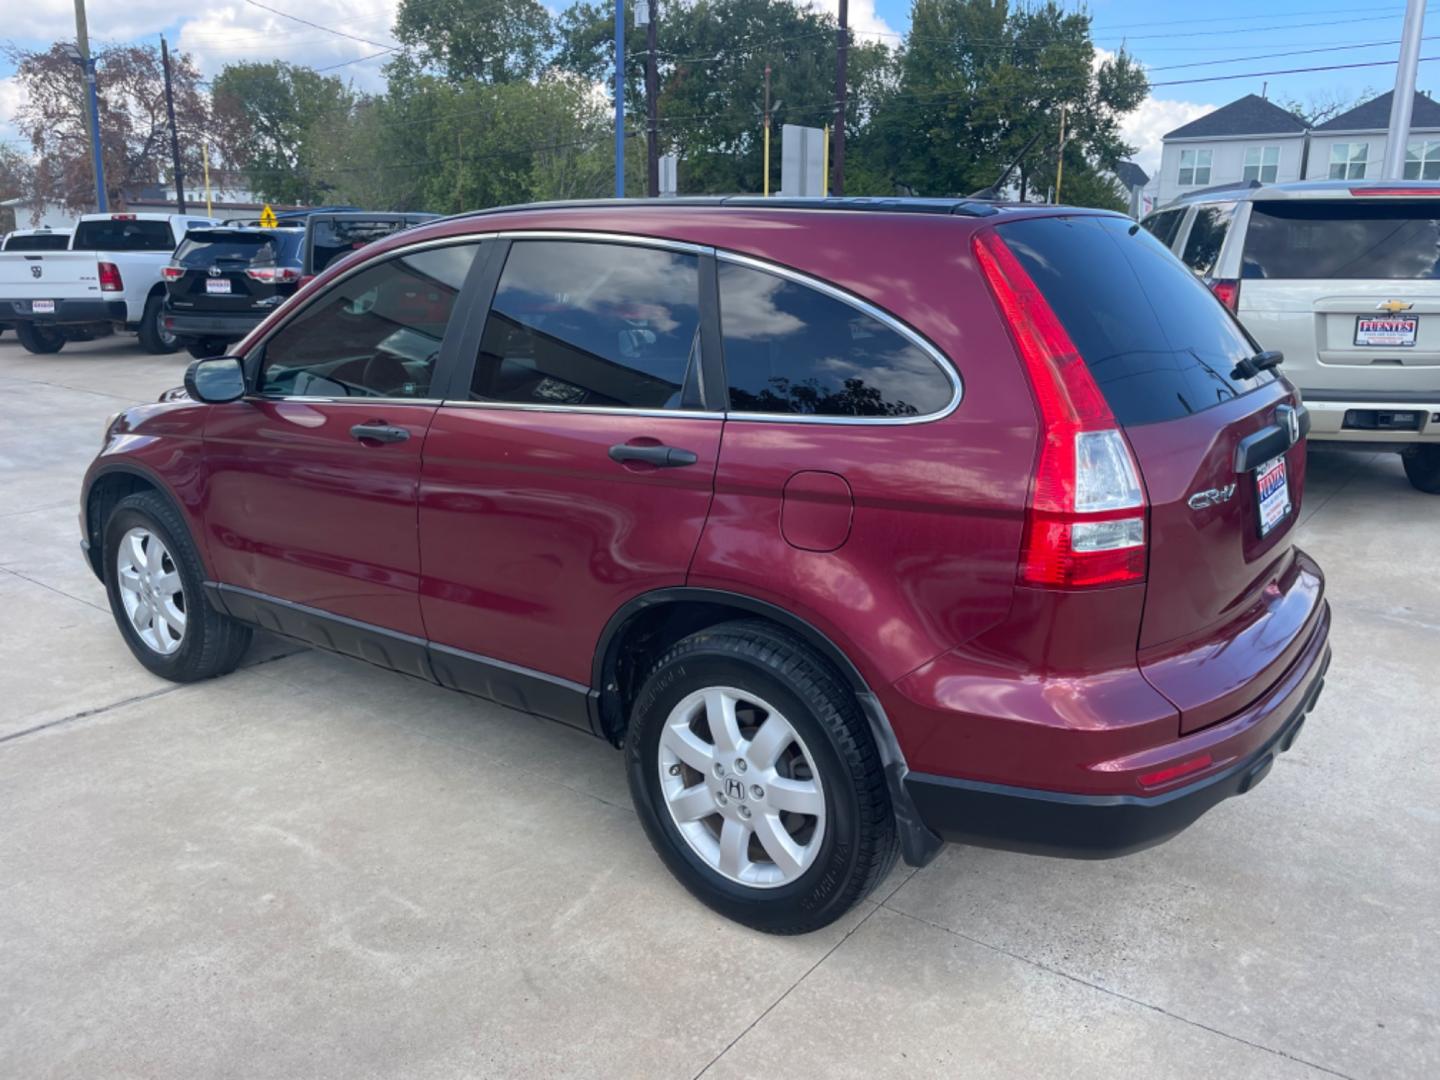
{"x":966,"y":207}
{"x":1237,"y":185}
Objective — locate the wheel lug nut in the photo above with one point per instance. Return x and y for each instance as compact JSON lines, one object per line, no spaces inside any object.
{"x":675,"y":770}
{"x":757,"y":791}
{"x":744,"y":811}
{"x":719,"y":769}
{"x":740,"y":765}
{"x":721,"y":799}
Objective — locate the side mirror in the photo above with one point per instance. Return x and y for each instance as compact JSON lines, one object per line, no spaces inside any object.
{"x":216,"y":380}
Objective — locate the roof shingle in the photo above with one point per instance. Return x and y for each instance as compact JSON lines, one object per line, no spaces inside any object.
{"x":1374,"y":115}
{"x":1249,"y":115}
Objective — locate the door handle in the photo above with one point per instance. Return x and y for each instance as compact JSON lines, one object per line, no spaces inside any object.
{"x":663,"y":457}
{"x":382,"y":433}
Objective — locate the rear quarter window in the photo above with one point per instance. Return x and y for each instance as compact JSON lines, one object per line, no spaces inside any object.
{"x":1157,"y":342}
{"x":1207,"y":236}
{"x":1165,"y":225}
{"x":1343,"y":240}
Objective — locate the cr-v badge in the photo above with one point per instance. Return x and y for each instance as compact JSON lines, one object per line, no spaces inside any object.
{"x":1211,"y":497}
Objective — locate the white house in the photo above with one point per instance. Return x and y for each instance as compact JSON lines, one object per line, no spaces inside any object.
{"x":1249,"y":139}
{"x":1351,"y":146}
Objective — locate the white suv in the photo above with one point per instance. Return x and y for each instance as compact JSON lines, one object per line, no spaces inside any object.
{"x":1343,"y":277}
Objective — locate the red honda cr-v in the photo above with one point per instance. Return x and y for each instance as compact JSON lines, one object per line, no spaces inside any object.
{"x":859,"y":525}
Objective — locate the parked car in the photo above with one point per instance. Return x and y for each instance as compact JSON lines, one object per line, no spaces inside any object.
{"x":331,"y":234}
{"x":223,"y":280}
{"x":44,"y":239}
{"x":1343,"y":278}
{"x":108,"y":279}
{"x":859,"y":525}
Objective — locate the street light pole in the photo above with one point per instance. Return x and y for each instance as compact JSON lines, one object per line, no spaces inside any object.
{"x":842,"y":48}
{"x":652,"y":102}
{"x":1403,"y":103}
{"x":92,"y":114}
{"x":174,"y":134}
{"x":619,"y":98}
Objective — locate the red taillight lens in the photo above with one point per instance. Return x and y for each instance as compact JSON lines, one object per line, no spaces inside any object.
{"x":110,"y":278}
{"x":306,"y":279}
{"x":1085,"y":525}
{"x":1228,"y":293}
{"x":273,"y":275}
{"x":172,"y":273}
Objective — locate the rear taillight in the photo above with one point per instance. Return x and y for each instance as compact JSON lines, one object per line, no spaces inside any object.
{"x":172,"y":273}
{"x":110,"y":278}
{"x":305,"y":279}
{"x":273,"y":275}
{"x":1227,"y":292}
{"x":1085,"y":525}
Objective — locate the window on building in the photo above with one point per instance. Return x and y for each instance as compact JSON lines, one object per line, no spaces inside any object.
{"x":1422,"y":161}
{"x":1194,"y":168}
{"x":1262,"y":163}
{"x":1349,"y":161}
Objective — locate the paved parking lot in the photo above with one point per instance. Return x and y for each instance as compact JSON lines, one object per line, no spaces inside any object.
{"x":312,"y":868}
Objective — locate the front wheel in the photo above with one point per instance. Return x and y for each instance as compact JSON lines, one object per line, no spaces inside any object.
{"x":154,"y":338}
{"x":757,"y":780}
{"x":154,"y":580}
{"x":40,"y":340}
{"x":1422,"y":466}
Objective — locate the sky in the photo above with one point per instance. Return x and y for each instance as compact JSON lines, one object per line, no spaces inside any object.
{"x":1195,"y":62}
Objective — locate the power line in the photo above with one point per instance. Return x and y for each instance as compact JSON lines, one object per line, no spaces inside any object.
{"x":1276,"y":55}
{"x":391,"y":46}
{"x":1288,"y":71}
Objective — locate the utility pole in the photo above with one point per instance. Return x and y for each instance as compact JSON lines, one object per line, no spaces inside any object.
{"x":1060,"y":155}
{"x":842,"y":48}
{"x":92,"y":115}
{"x":652,"y":95}
{"x":1403,"y":103}
{"x":619,"y":98}
{"x":174,"y":134}
{"x":766,"y":134}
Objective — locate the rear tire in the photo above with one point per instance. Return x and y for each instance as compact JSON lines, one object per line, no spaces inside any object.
{"x":783,"y":829}
{"x":1422,"y":466}
{"x":155,"y":582}
{"x":154,"y":338}
{"x":40,"y":340}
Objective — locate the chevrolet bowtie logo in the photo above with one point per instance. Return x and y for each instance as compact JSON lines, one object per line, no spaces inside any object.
{"x":1394,"y":307}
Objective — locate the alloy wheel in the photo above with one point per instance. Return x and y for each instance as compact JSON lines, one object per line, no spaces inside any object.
{"x":150,"y":590}
{"x":742,"y":787}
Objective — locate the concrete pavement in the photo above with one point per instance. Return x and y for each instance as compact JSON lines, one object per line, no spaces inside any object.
{"x":313,"y":868}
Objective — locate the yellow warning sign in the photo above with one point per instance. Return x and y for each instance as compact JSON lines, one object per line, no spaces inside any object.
{"x":267,"y":218}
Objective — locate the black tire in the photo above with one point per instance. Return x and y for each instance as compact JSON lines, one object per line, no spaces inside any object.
{"x":213,"y":643}
{"x":859,"y":844}
{"x":153,"y":336}
{"x":40,"y":340}
{"x":205,"y":348}
{"x":1422,"y":466}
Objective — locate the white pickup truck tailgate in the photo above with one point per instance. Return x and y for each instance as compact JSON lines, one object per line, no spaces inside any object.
{"x":49,"y":275}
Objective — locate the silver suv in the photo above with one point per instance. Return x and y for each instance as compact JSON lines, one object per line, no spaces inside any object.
{"x":1343,"y":277}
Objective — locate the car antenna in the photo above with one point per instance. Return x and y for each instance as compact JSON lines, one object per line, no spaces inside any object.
{"x":993,"y":191}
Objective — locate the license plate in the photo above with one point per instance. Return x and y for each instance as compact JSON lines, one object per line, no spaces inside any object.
{"x":217,"y":285}
{"x":1273,"y":494}
{"x":1386,"y":331}
{"x":42,"y":307}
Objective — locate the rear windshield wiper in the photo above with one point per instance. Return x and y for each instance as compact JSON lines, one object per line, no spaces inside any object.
{"x":1252,"y":366}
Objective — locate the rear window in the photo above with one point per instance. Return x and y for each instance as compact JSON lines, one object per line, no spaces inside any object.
{"x":113,"y":235}
{"x":256,"y":249}
{"x":1207,"y":233}
{"x":1343,"y":240}
{"x":1164,"y":225}
{"x":333,"y":239}
{"x":38,"y":242}
{"x":1158,"y":344}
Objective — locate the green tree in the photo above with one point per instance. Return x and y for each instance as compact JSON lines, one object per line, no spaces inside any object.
{"x":270,"y":118}
{"x":490,"y":41}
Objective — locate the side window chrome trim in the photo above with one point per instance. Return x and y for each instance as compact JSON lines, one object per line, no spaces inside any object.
{"x":602,"y":410}
{"x":607,"y":238}
{"x":911,"y":335}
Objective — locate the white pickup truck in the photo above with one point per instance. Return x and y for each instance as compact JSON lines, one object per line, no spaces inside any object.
{"x":108,"y":279}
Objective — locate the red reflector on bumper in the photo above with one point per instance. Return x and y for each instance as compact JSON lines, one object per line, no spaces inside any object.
{"x":1174,"y":772}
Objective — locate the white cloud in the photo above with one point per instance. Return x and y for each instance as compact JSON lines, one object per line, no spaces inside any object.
{"x":864,"y":20}
{"x":1147,"y":125}
{"x":12,"y":96}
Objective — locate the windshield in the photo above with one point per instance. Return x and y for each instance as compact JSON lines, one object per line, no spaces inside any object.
{"x":257,"y":249}
{"x":1345,"y":240}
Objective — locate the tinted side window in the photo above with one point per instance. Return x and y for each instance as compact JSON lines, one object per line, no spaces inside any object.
{"x":375,"y":334}
{"x":1164,"y":225}
{"x":578,"y":323}
{"x":123,"y":235}
{"x":1158,"y":343}
{"x":792,"y":349}
{"x":1207,"y":233}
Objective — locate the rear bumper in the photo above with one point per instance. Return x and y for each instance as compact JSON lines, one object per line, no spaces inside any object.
{"x":1098,"y":826}
{"x":1374,"y":416}
{"x":230,"y":326}
{"x":66,"y":311}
